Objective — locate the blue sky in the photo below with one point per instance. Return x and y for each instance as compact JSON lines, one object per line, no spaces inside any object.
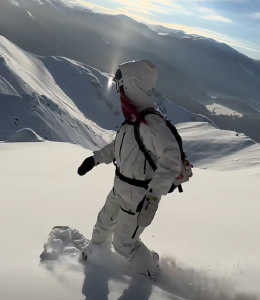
{"x":235,"y":22}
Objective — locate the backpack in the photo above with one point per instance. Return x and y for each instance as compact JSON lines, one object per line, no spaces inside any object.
{"x":142,"y":148}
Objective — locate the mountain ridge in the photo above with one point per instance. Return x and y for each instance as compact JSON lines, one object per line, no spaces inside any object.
{"x":64,"y":100}
{"x":194,"y":72}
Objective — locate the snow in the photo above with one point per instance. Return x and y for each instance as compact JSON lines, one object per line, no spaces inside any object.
{"x":14,"y":3}
{"x":25,"y":135}
{"x":217,"y":109}
{"x":213,"y":225}
{"x":30,"y":15}
{"x":32,"y":98}
{"x":26,"y":3}
{"x":163,"y":33}
{"x":221,"y":150}
{"x":63,"y":241}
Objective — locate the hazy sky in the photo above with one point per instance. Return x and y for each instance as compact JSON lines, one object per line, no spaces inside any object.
{"x":235,"y":22}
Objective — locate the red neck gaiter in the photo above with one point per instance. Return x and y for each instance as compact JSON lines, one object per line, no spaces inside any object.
{"x":129,"y":110}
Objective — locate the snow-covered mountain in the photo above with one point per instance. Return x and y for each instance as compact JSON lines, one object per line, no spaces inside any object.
{"x":30,"y":97}
{"x":197,"y":73}
{"x":63,"y":100}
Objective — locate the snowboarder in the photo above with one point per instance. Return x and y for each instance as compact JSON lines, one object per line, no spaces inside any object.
{"x":138,"y":187}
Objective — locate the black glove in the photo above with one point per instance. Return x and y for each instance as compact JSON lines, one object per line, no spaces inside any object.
{"x":87,"y":165}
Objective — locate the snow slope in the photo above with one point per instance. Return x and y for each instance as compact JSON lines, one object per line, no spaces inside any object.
{"x":30,"y":97}
{"x":63,"y":100}
{"x":211,"y":148}
{"x":214,"y":235}
{"x":24,"y":136}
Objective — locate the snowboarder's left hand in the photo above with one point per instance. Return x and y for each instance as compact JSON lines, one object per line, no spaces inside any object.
{"x":185,"y":174}
{"x":87,"y":165}
{"x":188,"y":167}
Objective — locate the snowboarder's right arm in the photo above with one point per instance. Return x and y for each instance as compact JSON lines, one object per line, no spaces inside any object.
{"x":103,"y":156}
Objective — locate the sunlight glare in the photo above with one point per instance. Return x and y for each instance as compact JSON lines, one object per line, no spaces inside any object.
{"x":110,"y":81}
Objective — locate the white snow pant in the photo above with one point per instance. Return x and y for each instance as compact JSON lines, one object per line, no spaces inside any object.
{"x":123,"y":223}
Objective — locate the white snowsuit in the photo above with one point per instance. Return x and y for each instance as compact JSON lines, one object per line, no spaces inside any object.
{"x":119,"y":214}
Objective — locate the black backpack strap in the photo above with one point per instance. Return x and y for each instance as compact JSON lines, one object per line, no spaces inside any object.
{"x":141,"y":145}
{"x":143,"y":114}
{"x":169,"y":124}
{"x":125,"y":122}
{"x":177,"y":137}
{"x":140,"y":183}
{"x":142,"y":148}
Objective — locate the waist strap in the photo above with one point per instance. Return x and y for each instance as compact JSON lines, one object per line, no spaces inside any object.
{"x":134,"y":182}
{"x":141,"y":183}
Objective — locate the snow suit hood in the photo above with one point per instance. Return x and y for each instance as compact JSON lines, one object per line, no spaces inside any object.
{"x":139,"y":78}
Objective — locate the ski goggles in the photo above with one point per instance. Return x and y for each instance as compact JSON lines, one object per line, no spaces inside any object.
{"x":118,"y":83}
{"x":118,"y":80}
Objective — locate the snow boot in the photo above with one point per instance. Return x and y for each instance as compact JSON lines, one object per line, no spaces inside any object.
{"x":87,"y":250}
{"x":156,"y":259}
